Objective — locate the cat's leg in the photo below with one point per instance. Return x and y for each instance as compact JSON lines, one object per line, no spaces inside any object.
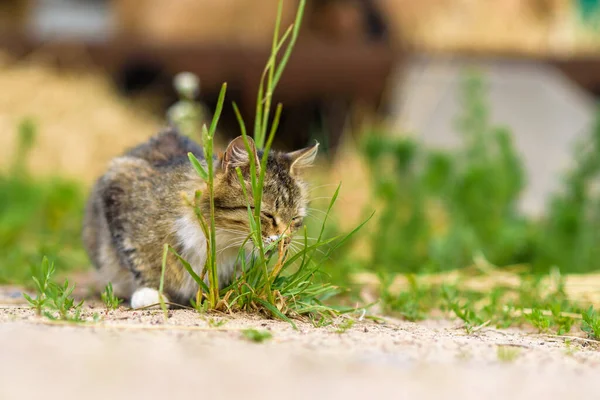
{"x":144,"y":281}
{"x":145,"y":296}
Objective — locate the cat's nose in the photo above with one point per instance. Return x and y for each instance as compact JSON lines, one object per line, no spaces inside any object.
{"x":271,"y":239}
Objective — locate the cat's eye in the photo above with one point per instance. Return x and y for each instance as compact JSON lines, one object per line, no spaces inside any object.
{"x":269,"y":216}
{"x":297,"y":221}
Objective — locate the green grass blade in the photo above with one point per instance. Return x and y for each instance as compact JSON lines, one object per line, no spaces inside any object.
{"x":218,"y":109}
{"x":239,"y":118}
{"x":161,"y":287}
{"x":288,"y":51}
{"x":275,"y":311}
{"x":198,"y":167}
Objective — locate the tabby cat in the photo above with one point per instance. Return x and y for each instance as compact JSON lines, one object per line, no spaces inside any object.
{"x":146,"y":198}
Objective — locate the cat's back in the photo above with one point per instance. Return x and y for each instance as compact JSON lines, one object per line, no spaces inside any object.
{"x":135,"y":185}
{"x":166,"y":147}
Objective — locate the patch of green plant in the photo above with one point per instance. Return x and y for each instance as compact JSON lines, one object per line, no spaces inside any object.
{"x":507,"y":354}
{"x":467,"y":313}
{"x":538,"y":320}
{"x":570,"y":348}
{"x":413,"y":304}
{"x":571,"y":228}
{"x":438,"y":209}
{"x":54,"y":301}
{"x":591,"y":323}
{"x":109,"y":299}
{"x":276,"y":282}
{"x":530,"y":303}
{"x":344,"y":326}
{"x":42,"y":283}
{"x":216,"y":323}
{"x":257,"y":336}
{"x":38,"y":217}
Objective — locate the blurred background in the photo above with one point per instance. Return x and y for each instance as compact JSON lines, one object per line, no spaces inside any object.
{"x":469,"y":126}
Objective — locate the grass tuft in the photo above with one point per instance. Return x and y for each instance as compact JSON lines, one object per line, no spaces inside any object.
{"x":109,"y":299}
{"x":507,"y":354}
{"x":272,"y":281}
{"x":591,"y":323}
{"x":54,"y":301}
{"x":257,"y":336}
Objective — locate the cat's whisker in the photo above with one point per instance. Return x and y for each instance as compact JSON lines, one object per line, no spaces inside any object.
{"x":313,"y":188}
{"x":315,"y":249}
{"x":301,"y":237}
{"x":317,"y":218}
{"x":232,"y":230}
{"x":229,"y":247}
{"x":322,"y":197}
{"x":317,"y":210}
{"x":231,"y":240}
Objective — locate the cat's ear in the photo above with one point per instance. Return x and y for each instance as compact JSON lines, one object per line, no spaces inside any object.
{"x":303,"y":158}
{"x":237,"y":155}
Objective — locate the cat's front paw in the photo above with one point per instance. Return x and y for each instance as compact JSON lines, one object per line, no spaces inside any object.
{"x":145,"y":297}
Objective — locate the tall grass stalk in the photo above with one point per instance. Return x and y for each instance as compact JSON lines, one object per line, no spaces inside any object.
{"x":280,"y":289}
{"x":209,"y":229}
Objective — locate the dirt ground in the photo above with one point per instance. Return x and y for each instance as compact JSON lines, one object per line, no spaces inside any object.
{"x":138,"y":353}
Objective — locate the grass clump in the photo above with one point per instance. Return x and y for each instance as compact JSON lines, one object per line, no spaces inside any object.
{"x":445,"y":207}
{"x":479,"y":300}
{"x":54,"y":301}
{"x":591,"y":323}
{"x":109,"y":299}
{"x":344,"y":326}
{"x":448,"y":207}
{"x":445,"y":210}
{"x":257,"y":336}
{"x":507,"y":354}
{"x":274,"y":281}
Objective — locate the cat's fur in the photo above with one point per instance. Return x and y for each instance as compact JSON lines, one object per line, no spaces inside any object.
{"x":144,"y":201}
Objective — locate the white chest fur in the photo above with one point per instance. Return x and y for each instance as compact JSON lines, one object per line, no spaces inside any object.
{"x":192,"y":243}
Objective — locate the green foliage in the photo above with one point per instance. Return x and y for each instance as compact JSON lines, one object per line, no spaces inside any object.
{"x":507,"y":354}
{"x":538,"y":320}
{"x":439,"y":209}
{"x":468,"y":315}
{"x":344,"y":326}
{"x":216,"y":323}
{"x":412,"y":305}
{"x":111,"y":301}
{"x":569,"y":234}
{"x":37,"y":217}
{"x":53,"y":300}
{"x":530,"y":303}
{"x":591,"y":323}
{"x":256,"y":335}
{"x":42,"y":283}
{"x":276,"y":282}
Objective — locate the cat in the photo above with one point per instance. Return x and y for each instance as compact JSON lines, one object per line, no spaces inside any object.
{"x":145,"y":198}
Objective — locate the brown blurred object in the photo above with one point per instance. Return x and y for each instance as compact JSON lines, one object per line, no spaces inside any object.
{"x":339,"y":21}
{"x":338,"y":65}
{"x":14,"y":16}
{"x":82,"y":121}
{"x":529,"y":27}
{"x":230,"y":22}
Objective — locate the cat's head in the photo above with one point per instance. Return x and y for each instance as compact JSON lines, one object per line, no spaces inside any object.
{"x":285,"y":195}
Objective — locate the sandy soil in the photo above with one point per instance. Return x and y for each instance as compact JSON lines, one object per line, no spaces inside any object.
{"x":138,"y":353}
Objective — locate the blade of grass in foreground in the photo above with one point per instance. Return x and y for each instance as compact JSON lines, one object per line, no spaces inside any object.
{"x":211,"y":259}
{"x":161,"y":297}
